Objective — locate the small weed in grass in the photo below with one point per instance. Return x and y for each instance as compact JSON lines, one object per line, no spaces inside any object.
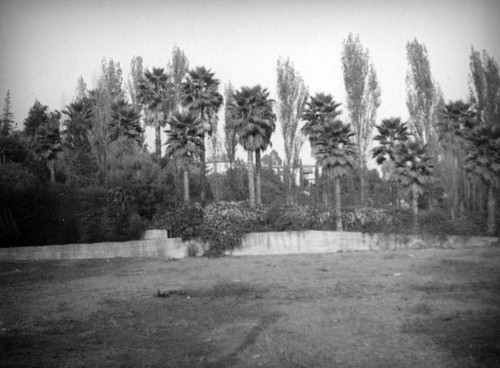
{"x":168,"y":294}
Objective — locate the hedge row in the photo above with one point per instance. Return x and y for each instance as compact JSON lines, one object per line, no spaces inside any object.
{"x":223,"y":224}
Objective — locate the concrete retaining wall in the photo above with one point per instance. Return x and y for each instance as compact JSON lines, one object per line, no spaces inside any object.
{"x":296,"y":242}
{"x":156,"y":244}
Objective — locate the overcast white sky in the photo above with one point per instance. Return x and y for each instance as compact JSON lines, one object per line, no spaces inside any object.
{"x":47,"y":44}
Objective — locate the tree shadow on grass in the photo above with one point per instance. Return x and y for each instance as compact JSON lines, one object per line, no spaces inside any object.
{"x":250,"y":339}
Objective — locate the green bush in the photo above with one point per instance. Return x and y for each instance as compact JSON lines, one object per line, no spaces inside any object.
{"x":225,"y":223}
{"x":367,"y":219}
{"x":287,"y":218}
{"x":180,"y":221}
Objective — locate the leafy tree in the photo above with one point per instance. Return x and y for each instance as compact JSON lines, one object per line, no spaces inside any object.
{"x":37,"y":116}
{"x":155,"y":90}
{"x":178,"y":68}
{"x":421,"y":91}
{"x":12,"y":148}
{"x":320,"y":109}
{"x":112,"y":79}
{"x":391,"y":133}
{"x":81,"y":91}
{"x":485,"y":83}
{"x":7,"y":123}
{"x":107,"y":92}
{"x":200,"y":96}
{"x":292,"y":97}
{"x":482,"y":158}
{"x":363,"y":98}
{"x":255,"y":125}
{"x":271,"y":160}
{"x":184,"y":143}
{"x":136,"y":76}
{"x":414,"y":170}
{"x":125,"y":121}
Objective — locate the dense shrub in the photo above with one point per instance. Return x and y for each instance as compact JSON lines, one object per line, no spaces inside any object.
{"x":439,"y":222}
{"x":180,"y":221}
{"x":286,"y":218}
{"x":45,"y":214}
{"x":367,"y":219}
{"x":225,"y":223}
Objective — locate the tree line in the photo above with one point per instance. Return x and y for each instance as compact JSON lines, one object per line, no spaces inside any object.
{"x":446,"y":156}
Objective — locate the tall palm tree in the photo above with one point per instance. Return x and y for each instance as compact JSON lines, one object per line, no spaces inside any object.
{"x":337,"y":153}
{"x":47,"y":143}
{"x":481,"y":142}
{"x":184,"y":143}
{"x":199,"y":94}
{"x":414,"y":171}
{"x":483,"y":161}
{"x":320,"y":109}
{"x":255,"y":123}
{"x":391,"y":133}
{"x":155,"y":92}
{"x":78,"y":124}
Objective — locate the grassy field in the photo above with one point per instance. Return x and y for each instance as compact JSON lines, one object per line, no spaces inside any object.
{"x":425,"y":308}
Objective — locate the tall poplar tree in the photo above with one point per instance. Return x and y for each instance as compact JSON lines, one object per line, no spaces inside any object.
{"x":292,"y":97}
{"x":363,"y":99}
{"x":485,"y":87}
{"x":7,"y":116}
{"x":178,"y":68}
{"x":421,"y":90}
{"x":136,"y":75}
{"x":230,"y":124}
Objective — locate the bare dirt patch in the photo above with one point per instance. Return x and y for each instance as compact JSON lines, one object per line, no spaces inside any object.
{"x":425,"y":308}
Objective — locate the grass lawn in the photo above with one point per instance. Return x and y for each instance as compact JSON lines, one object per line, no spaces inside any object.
{"x":422,"y":308}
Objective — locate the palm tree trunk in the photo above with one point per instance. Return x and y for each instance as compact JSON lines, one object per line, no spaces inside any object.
{"x":258,"y":173}
{"x":316,"y":184}
{"x":186,"y":185}
{"x":158,"y":143}
{"x":414,"y":205}
{"x":203,"y":169}
{"x":324,"y":187}
{"x":491,"y":211}
{"x":338,"y":206}
{"x":251,"y":182}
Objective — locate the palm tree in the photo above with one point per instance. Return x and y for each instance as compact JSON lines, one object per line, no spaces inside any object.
{"x":199,"y":94}
{"x":155,"y":92}
{"x":47,"y":143}
{"x":255,"y":123}
{"x":391,"y":133}
{"x":320,"y":109}
{"x":336,"y":152}
{"x":483,"y":161}
{"x":125,"y":121}
{"x":481,"y":142}
{"x":184,"y":143}
{"x":414,"y":171}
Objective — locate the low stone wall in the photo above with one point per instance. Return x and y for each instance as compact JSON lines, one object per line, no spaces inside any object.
{"x":156,"y":244}
{"x":297,"y":242}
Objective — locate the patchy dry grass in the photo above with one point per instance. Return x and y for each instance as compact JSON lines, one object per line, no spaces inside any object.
{"x":426,"y":308}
